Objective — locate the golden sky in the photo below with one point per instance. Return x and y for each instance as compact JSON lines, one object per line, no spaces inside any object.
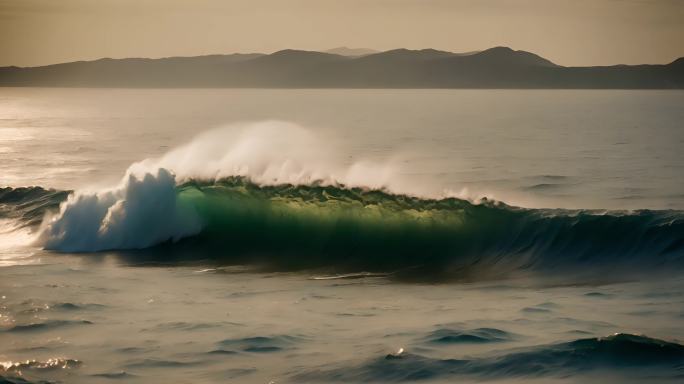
{"x":568,"y":32}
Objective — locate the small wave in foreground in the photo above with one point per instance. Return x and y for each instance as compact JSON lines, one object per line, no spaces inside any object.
{"x":620,"y":354}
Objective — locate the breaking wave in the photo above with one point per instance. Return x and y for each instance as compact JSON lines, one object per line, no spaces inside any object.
{"x":285,"y":203}
{"x":350,"y":229}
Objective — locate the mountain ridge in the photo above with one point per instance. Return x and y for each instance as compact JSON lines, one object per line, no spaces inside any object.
{"x":354,"y":52}
{"x":497,"y":67}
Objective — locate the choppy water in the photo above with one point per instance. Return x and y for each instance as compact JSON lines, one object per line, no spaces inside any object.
{"x":341,"y":236}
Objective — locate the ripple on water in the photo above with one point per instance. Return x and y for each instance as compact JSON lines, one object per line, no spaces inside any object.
{"x":15,"y":371}
{"x":76,"y":307}
{"x":535,"y":310}
{"x":458,"y":336}
{"x":183,"y":326}
{"x":114,"y":375}
{"x":31,"y":307}
{"x":599,"y":295}
{"x":258,"y":344}
{"x":160,"y":363}
{"x":46,"y":325}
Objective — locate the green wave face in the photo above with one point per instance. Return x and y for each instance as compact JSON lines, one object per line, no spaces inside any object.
{"x":354,"y":229}
{"x":315,"y":223}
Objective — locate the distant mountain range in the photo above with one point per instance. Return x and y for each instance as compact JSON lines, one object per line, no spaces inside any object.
{"x":499,"y":67}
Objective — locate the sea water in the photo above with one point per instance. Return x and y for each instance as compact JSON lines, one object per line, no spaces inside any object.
{"x":341,"y":235}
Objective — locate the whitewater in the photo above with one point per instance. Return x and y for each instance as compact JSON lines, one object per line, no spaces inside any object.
{"x":421,"y":239}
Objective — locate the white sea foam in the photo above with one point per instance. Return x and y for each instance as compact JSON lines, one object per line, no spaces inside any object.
{"x":140,"y":212}
{"x":270,"y":152}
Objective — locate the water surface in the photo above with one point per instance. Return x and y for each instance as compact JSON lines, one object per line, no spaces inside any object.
{"x":381,"y":263}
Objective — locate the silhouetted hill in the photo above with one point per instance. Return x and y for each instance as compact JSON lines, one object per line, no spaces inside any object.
{"x":295,"y":57}
{"x":498,"y":67}
{"x":503,"y":56}
{"x":355,"y":52}
{"x":403,"y":54}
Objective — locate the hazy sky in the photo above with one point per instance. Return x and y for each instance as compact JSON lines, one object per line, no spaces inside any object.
{"x":568,"y":32}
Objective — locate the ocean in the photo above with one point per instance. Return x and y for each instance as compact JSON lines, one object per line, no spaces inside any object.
{"x":318,"y":236}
